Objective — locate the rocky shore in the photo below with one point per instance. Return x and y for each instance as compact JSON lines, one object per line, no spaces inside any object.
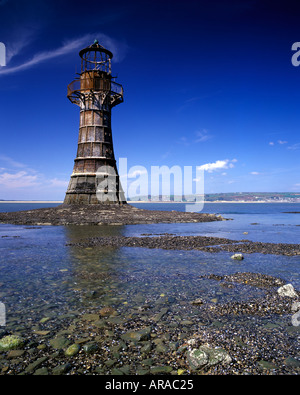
{"x":101,"y":214}
{"x":164,"y":335}
{"x":203,"y":243}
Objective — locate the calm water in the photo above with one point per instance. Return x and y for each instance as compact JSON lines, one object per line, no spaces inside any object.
{"x":39,"y":272}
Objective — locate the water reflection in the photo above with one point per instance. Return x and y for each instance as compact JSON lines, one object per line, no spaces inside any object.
{"x":133,"y":276}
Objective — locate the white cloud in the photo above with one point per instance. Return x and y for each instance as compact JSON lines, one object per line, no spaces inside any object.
{"x":20,"y":179}
{"x":218,"y":165}
{"x":17,"y":180}
{"x":254,"y":173}
{"x":271,"y":143}
{"x":282,"y":142}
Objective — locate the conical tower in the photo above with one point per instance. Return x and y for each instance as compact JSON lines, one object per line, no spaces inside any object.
{"x":95,"y":176}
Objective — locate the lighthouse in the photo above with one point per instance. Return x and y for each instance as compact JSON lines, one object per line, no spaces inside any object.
{"x":95,"y":178}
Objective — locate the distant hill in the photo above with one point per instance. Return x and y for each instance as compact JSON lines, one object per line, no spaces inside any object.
{"x":264,"y":197}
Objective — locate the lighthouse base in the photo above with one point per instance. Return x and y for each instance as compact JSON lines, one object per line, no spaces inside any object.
{"x":85,"y":189}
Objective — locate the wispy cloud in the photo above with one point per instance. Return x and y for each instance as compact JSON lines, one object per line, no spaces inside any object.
{"x":66,"y":48}
{"x":202,"y":136}
{"x":18,"y":177}
{"x":183,"y":141}
{"x":294,"y":146}
{"x":11,"y":162}
{"x":280,"y":142}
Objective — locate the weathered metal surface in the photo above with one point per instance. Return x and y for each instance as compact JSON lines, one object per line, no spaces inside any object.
{"x":95,"y":93}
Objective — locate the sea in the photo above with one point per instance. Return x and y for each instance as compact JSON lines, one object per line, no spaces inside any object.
{"x":40,"y":274}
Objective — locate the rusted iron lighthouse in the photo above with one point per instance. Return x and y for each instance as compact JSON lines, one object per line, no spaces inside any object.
{"x":95,"y":176}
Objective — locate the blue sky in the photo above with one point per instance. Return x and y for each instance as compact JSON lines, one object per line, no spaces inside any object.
{"x":206,"y":83}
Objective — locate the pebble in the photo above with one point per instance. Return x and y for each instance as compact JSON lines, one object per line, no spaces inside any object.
{"x":238,"y":257}
{"x":287,"y":290}
{"x":59,"y":343}
{"x":296,"y":319}
{"x":72,"y":350}
{"x":206,"y":356}
{"x":11,"y":342}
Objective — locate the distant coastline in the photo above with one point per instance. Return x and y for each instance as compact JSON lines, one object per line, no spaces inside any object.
{"x":153,"y":202}
{"x":234,"y":197}
{"x":31,"y":201}
{"x":208,"y":201}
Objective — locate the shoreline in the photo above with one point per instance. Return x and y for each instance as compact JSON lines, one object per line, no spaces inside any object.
{"x":147,"y":202}
{"x":222,"y":201}
{"x":101,"y":214}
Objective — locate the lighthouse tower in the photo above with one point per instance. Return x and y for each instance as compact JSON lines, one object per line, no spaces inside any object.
{"x":95,"y":176}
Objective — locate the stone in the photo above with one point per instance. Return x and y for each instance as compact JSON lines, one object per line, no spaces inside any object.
{"x":160,"y":369}
{"x":107,"y":311}
{"x":293,"y":362}
{"x":11,"y":342}
{"x":72,"y":350}
{"x":146,"y":348}
{"x":295,"y":306}
{"x":116,"y":372}
{"x":59,"y":343}
{"x":45,"y":319}
{"x":137,"y":336}
{"x":266,"y":364}
{"x":218,"y":355}
{"x":287,"y":290}
{"x":32,"y":366}
{"x":186,"y":323}
{"x":238,"y":257}
{"x":42,"y":333}
{"x":197,"y":358}
{"x":15,"y":353}
{"x":90,"y":317}
{"x":206,"y":356}
{"x":296,"y":319}
{"x":197,"y":301}
{"x":41,"y":372}
{"x":90,"y":348}
{"x":61,"y":369}
{"x":159,"y":316}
